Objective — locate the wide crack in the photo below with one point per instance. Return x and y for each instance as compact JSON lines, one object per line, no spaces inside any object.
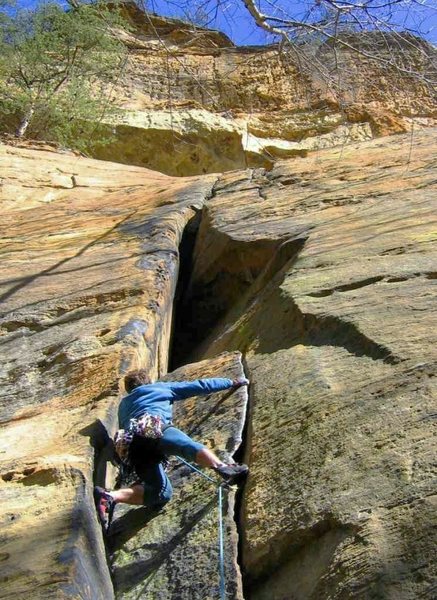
{"x":198,"y":308}
{"x":235,"y":283}
{"x":236,"y":275}
{"x":196,"y":312}
{"x":184,"y":336}
{"x":201,"y":303}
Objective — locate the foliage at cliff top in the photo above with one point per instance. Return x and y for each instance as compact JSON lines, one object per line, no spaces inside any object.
{"x":56,"y":70}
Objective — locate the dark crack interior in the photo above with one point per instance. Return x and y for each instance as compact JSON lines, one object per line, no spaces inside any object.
{"x":201,"y":303}
{"x":184,"y":335}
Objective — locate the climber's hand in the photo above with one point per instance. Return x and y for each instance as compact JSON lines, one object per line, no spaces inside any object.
{"x":240,"y":381}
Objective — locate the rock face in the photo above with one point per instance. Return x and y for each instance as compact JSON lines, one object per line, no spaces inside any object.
{"x":320,"y":273}
{"x":216,"y":107}
{"x":90,"y":262}
{"x":333,"y":257}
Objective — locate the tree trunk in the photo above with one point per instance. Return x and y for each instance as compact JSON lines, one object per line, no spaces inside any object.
{"x":24,"y":123}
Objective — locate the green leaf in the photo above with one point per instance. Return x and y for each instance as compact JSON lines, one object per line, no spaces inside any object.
{"x":56,"y":68}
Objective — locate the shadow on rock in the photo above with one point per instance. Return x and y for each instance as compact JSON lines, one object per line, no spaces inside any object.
{"x":129,"y":524}
{"x":104,"y":449}
{"x":127,"y":577}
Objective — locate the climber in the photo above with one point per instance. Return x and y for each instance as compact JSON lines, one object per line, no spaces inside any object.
{"x":149,"y":437}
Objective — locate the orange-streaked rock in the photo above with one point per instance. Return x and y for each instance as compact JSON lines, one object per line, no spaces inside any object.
{"x":89,"y":268}
{"x":190,"y":92}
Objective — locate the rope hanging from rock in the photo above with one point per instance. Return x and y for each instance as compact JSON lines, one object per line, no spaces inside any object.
{"x":220,"y":525}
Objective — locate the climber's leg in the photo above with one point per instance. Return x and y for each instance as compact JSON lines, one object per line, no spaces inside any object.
{"x":176,"y":442}
{"x":207,"y":458}
{"x":154,"y":492}
{"x":155,"y":489}
{"x":131,"y":495}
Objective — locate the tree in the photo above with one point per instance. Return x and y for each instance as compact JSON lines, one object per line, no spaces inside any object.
{"x":386,"y":34}
{"x":56,"y":70}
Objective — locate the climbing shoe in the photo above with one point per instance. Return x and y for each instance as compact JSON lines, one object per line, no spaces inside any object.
{"x":233,"y":473}
{"x":105,"y":505}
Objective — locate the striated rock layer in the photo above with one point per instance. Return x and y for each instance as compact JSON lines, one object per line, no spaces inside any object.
{"x":193,"y":103}
{"x":89,"y":267}
{"x":322,"y":272}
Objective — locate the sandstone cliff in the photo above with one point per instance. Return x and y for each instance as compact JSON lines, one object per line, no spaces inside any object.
{"x":320,"y":273}
{"x":90,"y":261}
{"x":194,"y":103}
{"x":336,"y":319}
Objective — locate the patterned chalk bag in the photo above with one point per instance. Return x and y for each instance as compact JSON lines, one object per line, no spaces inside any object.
{"x":147,"y":426}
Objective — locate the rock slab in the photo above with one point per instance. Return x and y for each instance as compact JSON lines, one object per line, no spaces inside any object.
{"x":336,"y":317}
{"x":90,"y":257}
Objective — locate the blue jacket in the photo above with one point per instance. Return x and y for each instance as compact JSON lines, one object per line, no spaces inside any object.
{"x":157,"y":398}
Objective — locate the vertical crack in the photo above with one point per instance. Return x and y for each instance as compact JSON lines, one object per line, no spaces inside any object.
{"x":183,"y":336}
{"x":186,"y":337}
{"x":242,"y":456}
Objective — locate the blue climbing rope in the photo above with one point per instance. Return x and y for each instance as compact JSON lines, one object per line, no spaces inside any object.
{"x":220,"y":520}
{"x":193,"y":468}
{"x":221,"y":545}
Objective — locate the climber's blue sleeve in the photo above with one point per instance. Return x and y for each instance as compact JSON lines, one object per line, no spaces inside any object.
{"x":200,"y":387}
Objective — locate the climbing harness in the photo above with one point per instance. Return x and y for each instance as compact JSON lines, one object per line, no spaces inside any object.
{"x":220,"y":524}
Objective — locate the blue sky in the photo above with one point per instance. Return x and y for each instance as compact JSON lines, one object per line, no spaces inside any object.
{"x":232,"y":17}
